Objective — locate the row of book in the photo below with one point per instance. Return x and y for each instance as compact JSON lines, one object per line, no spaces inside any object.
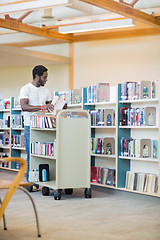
{"x":104,"y":146}
{"x":142,"y":182}
{"x":7,"y":164}
{"x":18,"y":141}
{"x":4,"y":139}
{"x":139,"y":90}
{"x":43,"y":148}
{"x":137,"y":116}
{"x":5,"y":123}
{"x":17,"y":121}
{"x":4,"y":164}
{"x":71,"y":96}
{"x":38,"y":121}
{"x":98,"y":93}
{"x":144,"y":148}
{"x":103,"y":176}
{"x":41,"y":174}
{"x":16,"y":102}
{"x":4,"y":104}
{"x":102,"y":117}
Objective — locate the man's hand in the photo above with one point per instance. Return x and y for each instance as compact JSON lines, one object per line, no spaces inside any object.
{"x":49,"y":107}
{"x":65,"y":106}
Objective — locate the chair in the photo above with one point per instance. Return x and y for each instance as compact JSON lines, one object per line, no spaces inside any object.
{"x":12,"y":186}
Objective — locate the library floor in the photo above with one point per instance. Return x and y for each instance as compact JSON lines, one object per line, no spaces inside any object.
{"x":108,"y":215}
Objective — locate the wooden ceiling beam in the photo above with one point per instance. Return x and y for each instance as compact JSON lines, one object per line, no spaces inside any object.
{"x":24,"y":16}
{"x":34,"y":43}
{"x":117,"y":34}
{"x":21,"y":27}
{"x":125,"y":10}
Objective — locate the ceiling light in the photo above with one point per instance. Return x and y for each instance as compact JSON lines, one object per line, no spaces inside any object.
{"x":97,"y":26}
{"x":48,"y":13}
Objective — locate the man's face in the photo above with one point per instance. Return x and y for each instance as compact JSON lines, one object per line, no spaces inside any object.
{"x":43,"y":79}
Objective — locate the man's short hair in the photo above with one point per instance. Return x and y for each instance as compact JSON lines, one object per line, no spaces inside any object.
{"x":39,"y":70}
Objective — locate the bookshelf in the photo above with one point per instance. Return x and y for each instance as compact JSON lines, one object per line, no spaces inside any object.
{"x":100,"y":132}
{"x":69,"y":166}
{"x":12,"y":115}
{"x":5,"y":133}
{"x":137,"y":165}
{"x":121,"y":164}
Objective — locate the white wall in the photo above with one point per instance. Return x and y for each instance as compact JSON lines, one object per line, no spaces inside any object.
{"x":119,"y":60}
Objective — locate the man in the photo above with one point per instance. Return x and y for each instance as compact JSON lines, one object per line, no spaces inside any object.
{"x":34,"y":97}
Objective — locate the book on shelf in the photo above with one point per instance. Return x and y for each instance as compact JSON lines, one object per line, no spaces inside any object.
{"x":102,"y":146}
{"x":130,"y":180}
{"x":109,"y":146}
{"x":109,"y":117}
{"x":145,"y":148}
{"x":4,"y":104}
{"x":5,"y":123}
{"x":155,"y":89}
{"x":99,"y":180}
{"x":4,"y":139}
{"x":154,"y":148}
{"x":110,"y":180}
{"x":76,"y":96}
{"x":104,"y":175}
{"x":17,"y":121}
{"x":102,"y":117}
{"x":103,"y":92}
{"x":139,"y":90}
{"x":43,"y":121}
{"x":43,"y":148}
{"x":150,"y":116}
{"x":71,"y":96}
{"x":94,"y":174}
{"x":151,"y":183}
{"x":98,"y":93}
{"x":142,"y":182}
{"x":130,"y":147}
{"x":16,"y":102}
{"x":18,"y":140}
{"x":145,"y":89}
{"x":137,"y":116}
{"x":34,"y":175}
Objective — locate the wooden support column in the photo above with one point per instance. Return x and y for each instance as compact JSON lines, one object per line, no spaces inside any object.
{"x":71,"y":66}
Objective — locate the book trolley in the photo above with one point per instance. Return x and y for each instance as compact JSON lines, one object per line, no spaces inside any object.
{"x":69,"y":165}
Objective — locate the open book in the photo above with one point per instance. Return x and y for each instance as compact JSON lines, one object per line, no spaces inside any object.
{"x":58,"y":104}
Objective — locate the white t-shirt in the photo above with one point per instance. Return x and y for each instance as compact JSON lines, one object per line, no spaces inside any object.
{"x":37,"y":97}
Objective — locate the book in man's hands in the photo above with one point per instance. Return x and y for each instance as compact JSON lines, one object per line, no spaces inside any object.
{"x":58,"y":104}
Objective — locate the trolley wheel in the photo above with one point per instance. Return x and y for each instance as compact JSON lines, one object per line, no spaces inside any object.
{"x":68,"y":191}
{"x":57,"y":194}
{"x":87,"y":193}
{"x":45,"y":191}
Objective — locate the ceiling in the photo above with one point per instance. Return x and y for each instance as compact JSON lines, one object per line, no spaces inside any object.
{"x":27,"y":23}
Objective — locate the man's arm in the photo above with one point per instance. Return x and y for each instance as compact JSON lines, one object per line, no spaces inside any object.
{"x":29,"y":108}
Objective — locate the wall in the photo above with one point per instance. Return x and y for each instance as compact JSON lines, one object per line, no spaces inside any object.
{"x":12,"y":79}
{"x":119,"y":60}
